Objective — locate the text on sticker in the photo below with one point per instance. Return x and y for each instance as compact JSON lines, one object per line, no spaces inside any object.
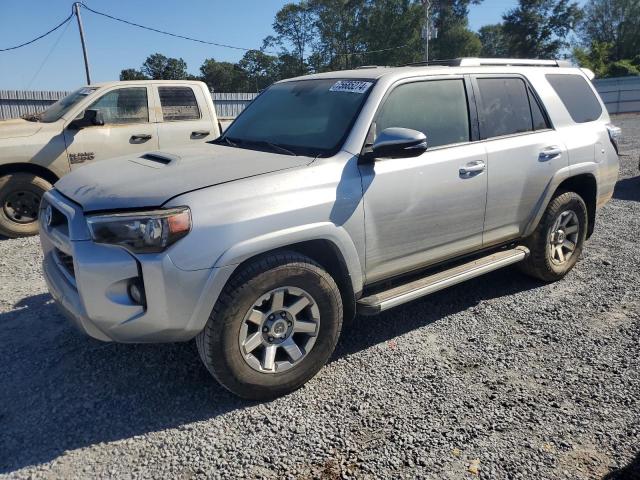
{"x":350,"y":86}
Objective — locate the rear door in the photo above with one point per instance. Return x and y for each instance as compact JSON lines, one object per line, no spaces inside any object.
{"x":523,"y":153}
{"x":184,"y":116}
{"x":128,"y":128}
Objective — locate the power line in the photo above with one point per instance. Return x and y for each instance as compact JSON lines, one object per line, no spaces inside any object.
{"x":53,"y":47}
{"x":184,"y":37}
{"x":375,"y":51}
{"x":38,"y":38}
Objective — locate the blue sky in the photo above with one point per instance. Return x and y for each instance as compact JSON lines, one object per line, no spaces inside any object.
{"x":113,"y":46}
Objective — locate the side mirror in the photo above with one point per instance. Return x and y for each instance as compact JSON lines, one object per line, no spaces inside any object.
{"x":91,"y":118}
{"x":399,"y":143}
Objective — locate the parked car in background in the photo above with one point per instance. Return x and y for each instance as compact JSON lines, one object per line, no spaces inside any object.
{"x":331,"y":194}
{"x":94,"y":123}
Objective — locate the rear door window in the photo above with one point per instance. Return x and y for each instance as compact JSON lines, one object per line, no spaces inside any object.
{"x":577,"y":96}
{"x":540,"y":121}
{"x":178,"y":103}
{"x":504,"y":107}
{"x":437,"y":108}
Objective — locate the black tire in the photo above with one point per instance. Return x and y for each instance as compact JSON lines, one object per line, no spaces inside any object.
{"x":27,"y":188}
{"x":218,"y":343}
{"x":541,"y":263}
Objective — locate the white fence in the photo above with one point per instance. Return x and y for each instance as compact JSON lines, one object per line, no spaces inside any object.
{"x":620,"y":95}
{"x":15,"y":103}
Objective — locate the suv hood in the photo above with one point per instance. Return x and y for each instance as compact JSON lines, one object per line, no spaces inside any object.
{"x":150,"y":179}
{"x":18,"y":127}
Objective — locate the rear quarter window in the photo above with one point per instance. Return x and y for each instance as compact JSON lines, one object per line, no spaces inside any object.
{"x":577,"y":96}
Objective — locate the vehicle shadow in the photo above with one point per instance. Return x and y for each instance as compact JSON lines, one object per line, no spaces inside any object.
{"x":628,"y":472}
{"x":628,"y":189}
{"x":61,"y":391}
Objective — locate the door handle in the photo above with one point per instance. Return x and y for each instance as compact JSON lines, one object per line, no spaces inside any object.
{"x":472,"y":168}
{"x":550,"y":153}
{"x":200,"y":133}
{"x":141,"y":137}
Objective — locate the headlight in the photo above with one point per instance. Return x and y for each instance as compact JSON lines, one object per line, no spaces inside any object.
{"x":141,"y":232}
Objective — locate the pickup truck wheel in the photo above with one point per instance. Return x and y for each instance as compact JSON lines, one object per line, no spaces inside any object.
{"x":273,"y":327}
{"x":20,"y":195}
{"x":557,"y":242}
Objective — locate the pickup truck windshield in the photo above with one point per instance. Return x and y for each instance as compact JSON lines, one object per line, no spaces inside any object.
{"x":307,"y":117}
{"x":58,"y":109}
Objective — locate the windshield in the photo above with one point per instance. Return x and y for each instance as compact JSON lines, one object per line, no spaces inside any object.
{"x":58,"y":109}
{"x":308,"y":117}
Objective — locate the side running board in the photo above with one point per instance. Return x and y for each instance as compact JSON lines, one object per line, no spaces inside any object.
{"x":381,"y":301}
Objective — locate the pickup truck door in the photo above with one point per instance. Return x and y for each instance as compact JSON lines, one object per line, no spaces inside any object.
{"x":425,"y":209}
{"x":128,"y":127}
{"x":184,"y":116}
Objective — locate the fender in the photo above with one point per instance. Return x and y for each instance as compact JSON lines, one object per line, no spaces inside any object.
{"x":283,"y":238}
{"x":560,"y":176}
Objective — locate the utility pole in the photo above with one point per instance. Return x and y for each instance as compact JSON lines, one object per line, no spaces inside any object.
{"x":76,"y":10}
{"x":426,"y":28}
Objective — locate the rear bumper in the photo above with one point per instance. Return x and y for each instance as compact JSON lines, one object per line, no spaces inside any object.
{"x":90,"y":285}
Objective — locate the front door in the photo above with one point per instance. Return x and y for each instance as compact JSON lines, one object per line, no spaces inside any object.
{"x":127,"y":128}
{"x":426,"y":209}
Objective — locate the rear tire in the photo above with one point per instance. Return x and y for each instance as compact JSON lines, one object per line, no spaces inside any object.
{"x":20,"y":195}
{"x":556,"y":243}
{"x":250,"y":319}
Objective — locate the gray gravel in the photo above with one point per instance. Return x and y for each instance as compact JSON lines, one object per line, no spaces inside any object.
{"x":501,"y":377}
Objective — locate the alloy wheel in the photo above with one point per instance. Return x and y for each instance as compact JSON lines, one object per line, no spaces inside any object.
{"x":279,"y":330}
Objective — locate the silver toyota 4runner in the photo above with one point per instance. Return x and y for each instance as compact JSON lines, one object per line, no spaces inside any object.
{"x":331,"y":194}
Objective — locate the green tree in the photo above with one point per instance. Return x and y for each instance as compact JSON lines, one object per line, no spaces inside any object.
{"x":224,"y":76}
{"x":613,"y":22}
{"x":159,"y":67}
{"x":294,"y":26}
{"x":451,"y":21}
{"x":339,"y":25}
{"x":261,"y":69}
{"x":390,"y":30}
{"x":494,"y":43}
{"x":132,"y":74}
{"x":539,"y":28}
{"x":596,"y":59}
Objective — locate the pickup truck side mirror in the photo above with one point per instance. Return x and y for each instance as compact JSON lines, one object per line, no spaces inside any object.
{"x":398,"y":143}
{"x":90,"y":118}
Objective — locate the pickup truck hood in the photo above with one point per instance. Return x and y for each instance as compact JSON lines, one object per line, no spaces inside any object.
{"x":149,"y":180}
{"x":18,"y":127}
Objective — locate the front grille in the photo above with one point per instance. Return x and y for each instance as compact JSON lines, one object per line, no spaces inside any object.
{"x":66,"y":262}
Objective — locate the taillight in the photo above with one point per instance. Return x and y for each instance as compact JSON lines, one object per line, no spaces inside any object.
{"x":614,"y":135}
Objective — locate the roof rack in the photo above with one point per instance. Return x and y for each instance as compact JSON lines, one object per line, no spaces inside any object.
{"x":487,"y":62}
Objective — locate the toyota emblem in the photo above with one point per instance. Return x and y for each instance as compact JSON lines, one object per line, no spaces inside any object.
{"x":48,"y":216}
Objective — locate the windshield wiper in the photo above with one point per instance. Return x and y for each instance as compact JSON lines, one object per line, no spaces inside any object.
{"x":266,"y":143}
{"x":241,"y":143}
{"x":222,"y":140}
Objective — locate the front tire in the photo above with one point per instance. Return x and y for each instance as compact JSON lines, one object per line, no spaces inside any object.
{"x":20,"y":195}
{"x":556,"y":243}
{"x":274,"y":326}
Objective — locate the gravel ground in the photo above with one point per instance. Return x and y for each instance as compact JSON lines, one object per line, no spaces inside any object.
{"x":501,"y":377}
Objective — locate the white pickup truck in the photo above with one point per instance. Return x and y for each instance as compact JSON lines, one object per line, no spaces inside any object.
{"x":94,"y":123}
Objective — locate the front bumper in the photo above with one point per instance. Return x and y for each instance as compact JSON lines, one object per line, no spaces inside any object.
{"x":89,"y":282}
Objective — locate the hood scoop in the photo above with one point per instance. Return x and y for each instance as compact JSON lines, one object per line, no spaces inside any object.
{"x":156,"y":159}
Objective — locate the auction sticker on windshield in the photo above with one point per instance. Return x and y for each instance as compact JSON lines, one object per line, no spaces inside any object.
{"x":351,"y":86}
